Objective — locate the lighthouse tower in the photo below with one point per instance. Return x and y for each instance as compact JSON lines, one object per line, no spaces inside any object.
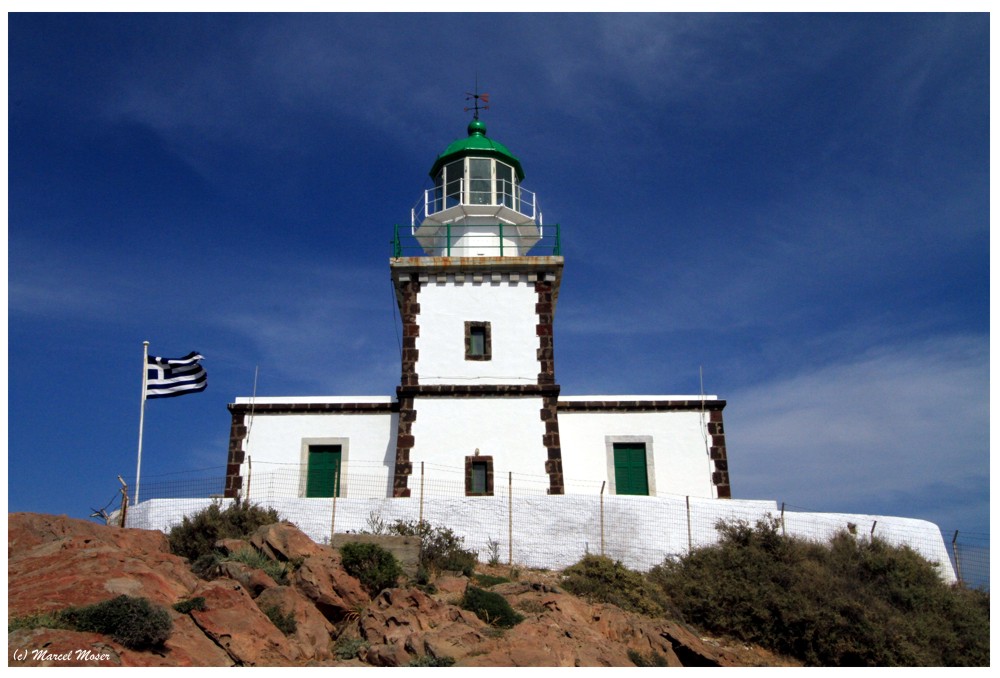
{"x":477,"y":298}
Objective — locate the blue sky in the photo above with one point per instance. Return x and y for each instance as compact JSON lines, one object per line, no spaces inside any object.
{"x":796,"y":204}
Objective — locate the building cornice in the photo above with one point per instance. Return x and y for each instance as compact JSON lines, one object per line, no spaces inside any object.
{"x":314,"y":408}
{"x":571,"y":406}
{"x":478,"y":390}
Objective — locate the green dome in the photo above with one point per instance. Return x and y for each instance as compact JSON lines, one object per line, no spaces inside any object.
{"x":477,"y":144}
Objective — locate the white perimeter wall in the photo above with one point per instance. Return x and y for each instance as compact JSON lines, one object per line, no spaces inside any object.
{"x":509,"y":307}
{"x":676,"y":456}
{"x":556,"y":531}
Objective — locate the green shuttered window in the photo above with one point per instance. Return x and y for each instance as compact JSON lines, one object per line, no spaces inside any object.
{"x":630,"y":468}
{"x":324,"y":471}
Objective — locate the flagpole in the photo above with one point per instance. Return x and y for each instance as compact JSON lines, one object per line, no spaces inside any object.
{"x":142,"y":415}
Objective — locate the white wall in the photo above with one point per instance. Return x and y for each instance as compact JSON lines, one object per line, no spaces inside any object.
{"x":556,"y":531}
{"x":680,"y":460}
{"x":509,"y":429}
{"x":368,"y":442}
{"x":509,"y":307}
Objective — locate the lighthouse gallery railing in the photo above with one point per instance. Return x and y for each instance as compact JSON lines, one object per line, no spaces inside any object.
{"x":550,"y":243}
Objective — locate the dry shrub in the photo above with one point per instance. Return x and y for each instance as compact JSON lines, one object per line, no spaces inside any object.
{"x":851,"y":602}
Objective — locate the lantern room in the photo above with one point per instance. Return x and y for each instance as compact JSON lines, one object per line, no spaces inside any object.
{"x":477,"y":206}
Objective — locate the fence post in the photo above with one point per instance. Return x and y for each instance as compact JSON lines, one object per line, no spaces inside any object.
{"x":602,"y":517}
{"x":783,"y":519}
{"x":871,"y":535}
{"x":249,"y":476}
{"x":333,"y":513}
{"x":125,"y":501}
{"x":510,"y":518}
{"x":958,"y":564}
{"x":687,"y":504}
{"x":420,"y":517}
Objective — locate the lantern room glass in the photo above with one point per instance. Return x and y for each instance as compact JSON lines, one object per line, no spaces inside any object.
{"x":474,"y":181}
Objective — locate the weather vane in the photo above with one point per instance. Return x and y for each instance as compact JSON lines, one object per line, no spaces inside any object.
{"x":476,"y":97}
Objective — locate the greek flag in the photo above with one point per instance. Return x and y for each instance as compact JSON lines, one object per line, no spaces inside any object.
{"x":166,"y":377}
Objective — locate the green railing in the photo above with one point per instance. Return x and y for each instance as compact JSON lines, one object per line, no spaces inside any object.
{"x":405,"y":245}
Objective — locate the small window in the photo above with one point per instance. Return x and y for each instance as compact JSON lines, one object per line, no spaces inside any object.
{"x":477,"y":341}
{"x":479,"y":476}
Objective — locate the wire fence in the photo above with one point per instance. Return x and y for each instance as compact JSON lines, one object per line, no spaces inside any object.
{"x":970,"y":555}
{"x":516,"y":521}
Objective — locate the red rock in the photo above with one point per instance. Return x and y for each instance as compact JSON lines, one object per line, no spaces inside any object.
{"x":335,"y":593}
{"x":189,"y":646}
{"x":55,"y":562}
{"x":230,"y":546}
{"x":253,"y":580}
{"x":284,"y":541}
{"x":234,"y":622}
{"x":51,"y":647}
{"x":312,"y":631}
{"x":411,"y":620}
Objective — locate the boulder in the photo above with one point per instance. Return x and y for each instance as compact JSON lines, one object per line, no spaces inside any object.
{"x":410,"y":620}
{"x":51,"y":647}
{"x":312,"y":631}
{"x":284,"y":542}
{"x":233,"y":621}
{"x":336,"y":594}
{"x":189,"y":646}
{"x":253,"y":580}
{"x":231,"y":546}
{"x":55,"y":562}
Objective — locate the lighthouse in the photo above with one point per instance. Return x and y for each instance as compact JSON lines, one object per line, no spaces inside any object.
{"x":477,"y":301}
{"x":478,"y":437}
{"x":476,"y":275}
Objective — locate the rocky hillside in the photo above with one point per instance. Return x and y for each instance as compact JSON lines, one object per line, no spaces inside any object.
{"x":56,"y":562}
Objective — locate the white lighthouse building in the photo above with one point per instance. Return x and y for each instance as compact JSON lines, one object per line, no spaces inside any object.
{"x":478,"y":436}
{"x":478,"y":392}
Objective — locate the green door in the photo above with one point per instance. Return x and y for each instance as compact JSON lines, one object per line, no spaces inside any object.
{"x":630,"y":468}
{"x":324,"y":470}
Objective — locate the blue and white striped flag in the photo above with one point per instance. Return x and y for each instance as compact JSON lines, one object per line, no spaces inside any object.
{"x":166,"y":377}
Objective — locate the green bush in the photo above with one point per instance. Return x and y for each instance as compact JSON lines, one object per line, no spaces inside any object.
{"x":850,"y":602}
{"x":253,"y":558}
{"x":654,"y":658}
{"x":440,"y":547}
{"x":608,"y":581}
{"x":186,"y":606}
{"x":488,"y":580}
{"x":284,"y":622}
{"x":372,"y":565}
{"x":428,"y":660}
{"x":134,"y":622}
{"x":204,"y":565}
{"x":45,"y":620}
{"x":349,"y":648}
{"x":491,"y":607}
{"x":196,"y":535}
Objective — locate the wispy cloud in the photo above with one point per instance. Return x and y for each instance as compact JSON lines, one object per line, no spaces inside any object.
{"x":849,"y":435}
